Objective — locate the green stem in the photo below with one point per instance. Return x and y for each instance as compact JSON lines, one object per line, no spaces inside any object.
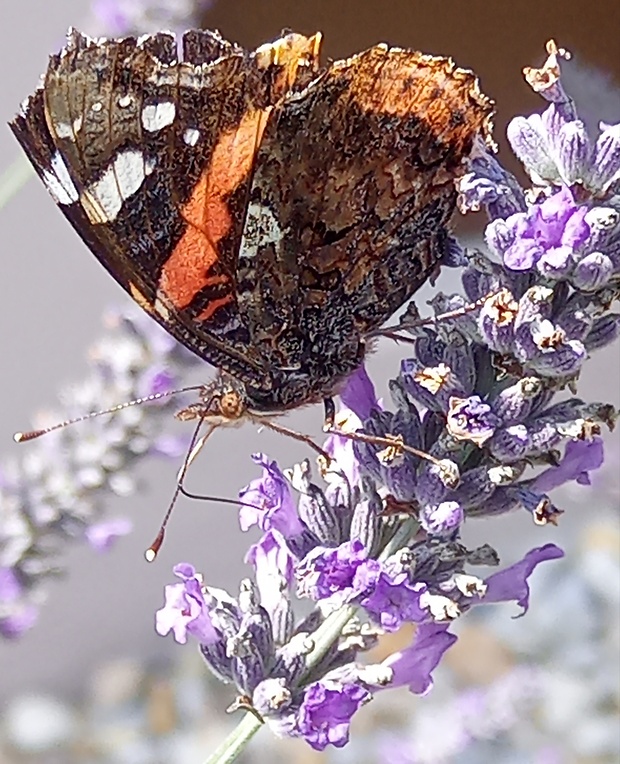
{"x":327,"y":633}
{"x":236,"y":741}
{"x":13,"y":179}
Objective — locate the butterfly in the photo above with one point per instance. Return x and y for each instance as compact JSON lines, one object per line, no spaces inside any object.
{"x":269,"y":212}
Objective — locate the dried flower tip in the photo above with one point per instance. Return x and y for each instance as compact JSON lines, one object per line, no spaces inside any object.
{"x":469,"y":586}
{"x":440,"y":607}
{"x":434,"y":378}
{"x":543,"y":79}
{"x":391,"y":453}
{"x":448,"y":472}
{"x":546,"y":512}
{"x":505,"y":474}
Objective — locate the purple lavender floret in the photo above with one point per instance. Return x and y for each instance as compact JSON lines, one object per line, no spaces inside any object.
{"x":326,"y":711}
{"x":549,"y":236}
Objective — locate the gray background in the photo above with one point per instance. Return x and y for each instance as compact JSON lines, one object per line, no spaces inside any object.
{"x":54,"y":293}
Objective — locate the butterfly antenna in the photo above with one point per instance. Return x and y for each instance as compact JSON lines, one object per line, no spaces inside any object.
{"x":194,"y":449}
{"x":22,"y":437}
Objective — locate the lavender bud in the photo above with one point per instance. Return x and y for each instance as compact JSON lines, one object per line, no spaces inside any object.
{"x":218,"y":661}
{"x":528,"y":139}
{"x":510,"y":443}
{"x":475,"y":488}
{"x":314,"y":510}
{"x":483,"y":555}
{"x":432,"y":386}
{"x":604,"y":331}
{"x":573,"y":152}
{"x":282,"y":617}
{"x":435,"y":479}
{"x":592,"y":272}
{"x":500,"y":235}
{"x":544,"y":436}
{"x":248,"y":666}
{"x":497,"y":320}
{"x":290,"y":660}
{"x":320,"y":517}
{"x":442,"y":519}
{"x":504,"y":500}
{"x":406,"y":422}
{"x":602,"y":222}
{"x":249,"y":598}
{"x":459,"y":357}
{"x":429,"y":349}
{"x":606,"y":166}
{"x":365,"y":523}
{"x":574,"y":318}
{"x":454,"y":254}
{"x":515,"y":403}
{"x":534,"y":307}
{"x":559,"y":356}
{"x":271,"y":697}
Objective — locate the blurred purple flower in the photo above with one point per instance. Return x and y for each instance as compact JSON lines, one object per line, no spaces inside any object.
{"x":16,"y":615}
{"x":102,"y":536}
{"x":273,"y":505}
{"x":326,"y":711}
{"x":580,"y":458}
{"x":185,"y":610}
{"x":512,"y":583}
{"x":115,"y":18}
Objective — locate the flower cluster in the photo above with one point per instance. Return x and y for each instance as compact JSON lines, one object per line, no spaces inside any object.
{"x":57,"y":490}
{"x":476,"y":430}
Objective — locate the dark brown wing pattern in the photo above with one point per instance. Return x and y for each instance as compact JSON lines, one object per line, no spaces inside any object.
{"x":266,"y":212}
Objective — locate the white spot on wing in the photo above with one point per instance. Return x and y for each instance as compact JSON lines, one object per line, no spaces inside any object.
{"x":97,"y":106}
{"x":191,"y":136}
{"x":63,"y":130}
{"x":156,"y":116}
{"x":261,"y":228}
{"x":59,"y":183}
{"x":124,"y":101}
{"x":103,"y":199}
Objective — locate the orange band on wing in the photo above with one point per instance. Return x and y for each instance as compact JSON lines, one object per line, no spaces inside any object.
{"x":213,"y":306}
{"x":186,"y":271}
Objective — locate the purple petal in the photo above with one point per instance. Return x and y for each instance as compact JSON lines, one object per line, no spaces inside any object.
{"x":576,"y":231}
{"x":512,"y":583}
{"x":326,"y":711}
{"x":359,"y":394}
{"x":580,"y":457}
{"x":271,"y":501}
{"x":414,"y":665}
{"x":273,"y":564}
{"x":185,"y":610}
{"x":102,"y":536}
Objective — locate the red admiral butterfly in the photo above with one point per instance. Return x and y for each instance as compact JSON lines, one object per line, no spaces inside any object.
{"x":268,"y":212}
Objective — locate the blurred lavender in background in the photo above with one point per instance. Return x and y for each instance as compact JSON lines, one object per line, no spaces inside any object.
{"x":536,"y":701}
